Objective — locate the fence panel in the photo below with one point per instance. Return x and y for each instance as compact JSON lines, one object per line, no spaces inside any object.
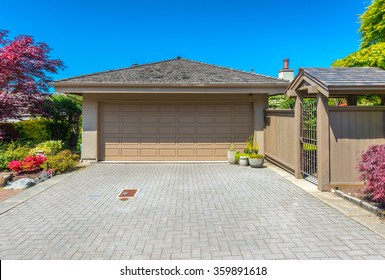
{"x":280,"y":137}
{"x":352,"y":131}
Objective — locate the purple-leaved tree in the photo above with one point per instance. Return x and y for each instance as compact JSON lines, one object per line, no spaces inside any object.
{"x":24,"y":65}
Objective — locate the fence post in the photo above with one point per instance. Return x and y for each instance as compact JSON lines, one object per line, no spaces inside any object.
{"x":323,"y":152}
{"x":298,"y":123}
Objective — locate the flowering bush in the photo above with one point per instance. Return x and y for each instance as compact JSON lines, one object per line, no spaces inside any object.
{"x":372,"y":168}
{"x":30,"y":163}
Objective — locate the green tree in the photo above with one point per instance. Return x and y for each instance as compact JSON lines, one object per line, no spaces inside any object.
{"x":372,"y":49}
{"x":373,"y":24}
{"x":64,"y":112}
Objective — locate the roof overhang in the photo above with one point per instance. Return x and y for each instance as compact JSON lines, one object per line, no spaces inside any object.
{"x":239,"y":88}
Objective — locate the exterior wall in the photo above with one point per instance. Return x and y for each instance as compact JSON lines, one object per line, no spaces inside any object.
{"x":280,"y":138}
{"x":352,"y":131}
{"x":91,"y":102}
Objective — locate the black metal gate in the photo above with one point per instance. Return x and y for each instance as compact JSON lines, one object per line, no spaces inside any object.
{"x":309,"y":140}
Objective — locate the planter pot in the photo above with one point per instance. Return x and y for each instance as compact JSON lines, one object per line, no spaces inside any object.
{"x":244,"y":161}
{"x":256,"y":162}
{"x":231,"y":156}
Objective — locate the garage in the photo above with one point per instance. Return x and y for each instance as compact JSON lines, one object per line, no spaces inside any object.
{"x":172,"y":131}
{"x":173,"y":110}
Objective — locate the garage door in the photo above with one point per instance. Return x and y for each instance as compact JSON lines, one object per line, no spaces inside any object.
{"x":179,"y":132}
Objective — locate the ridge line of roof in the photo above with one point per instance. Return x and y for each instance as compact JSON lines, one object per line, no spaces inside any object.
{"x":233,"y":69}
{"x":114,"y":70}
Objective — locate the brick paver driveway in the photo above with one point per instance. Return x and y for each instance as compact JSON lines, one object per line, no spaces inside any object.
{"x":183,"y":211}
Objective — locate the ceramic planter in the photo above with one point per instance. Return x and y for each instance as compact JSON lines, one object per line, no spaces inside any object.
{"x":256,"y":162}
{"x":243,"y":161}
{"x":231,"y":156}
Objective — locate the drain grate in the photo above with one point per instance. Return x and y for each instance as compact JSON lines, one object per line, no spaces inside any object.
{"x":127,"y":193}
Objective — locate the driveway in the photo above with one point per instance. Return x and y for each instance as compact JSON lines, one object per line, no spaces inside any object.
{"x":182,"y":211}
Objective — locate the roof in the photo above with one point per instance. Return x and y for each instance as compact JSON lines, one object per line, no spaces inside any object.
{"x":177,"y":71}
{"x":338,"y":81}
{"x":347,"y":76}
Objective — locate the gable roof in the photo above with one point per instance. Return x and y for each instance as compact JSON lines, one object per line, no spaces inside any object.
{"x":347,"y":76}
{"x":338,"y":80}
{"x":177,"y":71}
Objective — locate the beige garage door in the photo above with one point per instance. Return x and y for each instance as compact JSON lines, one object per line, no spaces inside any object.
{"x":131,"y":132}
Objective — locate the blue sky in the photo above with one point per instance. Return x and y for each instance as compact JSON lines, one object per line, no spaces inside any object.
{"x":91,"y":36}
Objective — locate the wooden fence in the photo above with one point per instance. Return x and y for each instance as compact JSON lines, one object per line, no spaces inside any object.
{"x":280,"y":137}
{"x":352,"y":131}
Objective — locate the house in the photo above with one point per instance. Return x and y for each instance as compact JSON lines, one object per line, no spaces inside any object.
{"x":173,"y":110}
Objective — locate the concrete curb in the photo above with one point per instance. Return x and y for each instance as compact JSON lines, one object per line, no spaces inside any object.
{"x":363,"y":204}
{"x":22,"y":197}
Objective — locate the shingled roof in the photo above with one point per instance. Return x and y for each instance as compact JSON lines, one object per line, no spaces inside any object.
{"x":177,"y":71}
{"x":347,"y":76}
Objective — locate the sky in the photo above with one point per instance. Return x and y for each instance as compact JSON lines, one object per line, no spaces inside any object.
{"x":93,"y":35}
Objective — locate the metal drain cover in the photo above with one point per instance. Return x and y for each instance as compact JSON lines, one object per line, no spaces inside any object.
{"x":127,"y":193}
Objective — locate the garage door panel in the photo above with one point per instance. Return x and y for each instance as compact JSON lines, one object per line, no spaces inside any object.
{"x":167,"y":119}
{"x":127,"y":152}
{"x":201,"y":131}
{"x":186,"y":108}
{"x":130,"y":108}
{"x":223,"y":119}
{"x":112,"y":152}
{"x":130,"y":119}
{"x":110,"y":129}
{"x":168,"y":108}
{"x":148,"y":152}
{"x":111,"y":107}
{"x":130,"y":129}
{"x":163,"y":152}
{"x":130,"y":141}
{"x":205,"y":108}
{"x":149,"y":119}
{"x":149,"y":130}
{"x":243,"y":108}
{"x":186,"y":130}
{"x":149,"y":108}
{"x":205,"y":119}
{"x":242,"y":119}
{"x":185,"y":152}
{"x":223,"y":108}
{"x":186,"y":119}
{"x":204,"y":152}
{"x":167,"y":130}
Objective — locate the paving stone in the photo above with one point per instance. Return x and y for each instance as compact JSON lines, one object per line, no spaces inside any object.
{"x":182,"y":211}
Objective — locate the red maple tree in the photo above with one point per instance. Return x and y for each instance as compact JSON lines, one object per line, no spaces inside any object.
{"x":24,"y":65}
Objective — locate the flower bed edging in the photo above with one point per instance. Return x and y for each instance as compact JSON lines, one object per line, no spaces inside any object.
{"x":363,"y":204}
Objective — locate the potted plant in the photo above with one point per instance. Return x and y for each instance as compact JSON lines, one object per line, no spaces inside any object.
{"x":244,"y":160}
{"x":256,"y":160}
{"x":231,"y":154}
{"x":250,"y":147}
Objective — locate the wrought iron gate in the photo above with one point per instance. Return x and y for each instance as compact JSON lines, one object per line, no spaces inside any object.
{"x":309,"y":140}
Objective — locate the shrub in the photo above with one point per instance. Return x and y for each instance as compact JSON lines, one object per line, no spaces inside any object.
{"x":30,"y":163}
{"x":372,"y":168}
{"x":51,"y":147}
{"x":63,"y":161}
{"x":35,"y":130}
{"x":13,"y":151}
